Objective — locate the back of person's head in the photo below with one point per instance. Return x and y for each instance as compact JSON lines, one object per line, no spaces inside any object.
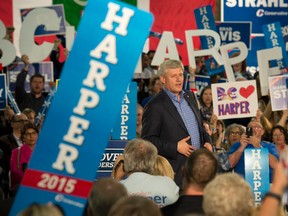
{"x":135,"y":206}
{"x":104,"y":194}
{"x":139,"y":156}
{"x":200,"y":168}
{"x":41,"y":210}
{"x":162,"y":167}
{"x":228,"y":195}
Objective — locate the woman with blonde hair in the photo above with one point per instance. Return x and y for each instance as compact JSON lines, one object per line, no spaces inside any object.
{"x":162,"y":167}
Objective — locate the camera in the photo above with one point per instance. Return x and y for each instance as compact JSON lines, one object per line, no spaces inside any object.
{"x":249,"y":132}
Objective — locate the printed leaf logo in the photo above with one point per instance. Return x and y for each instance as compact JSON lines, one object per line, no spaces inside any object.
{"x":246,"y":92}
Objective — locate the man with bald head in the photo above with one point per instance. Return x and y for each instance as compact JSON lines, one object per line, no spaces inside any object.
{"x":7,"y":144}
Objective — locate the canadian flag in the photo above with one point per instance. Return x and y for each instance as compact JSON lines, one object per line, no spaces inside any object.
{"x":169,"y":15}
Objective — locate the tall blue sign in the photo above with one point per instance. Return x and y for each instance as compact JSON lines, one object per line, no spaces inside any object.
{"x":125,"y":126}
{"x":78,"y":123}
{"x":257,"y":172}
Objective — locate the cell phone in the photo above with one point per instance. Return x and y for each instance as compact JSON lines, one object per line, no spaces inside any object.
{"x":249,"y":132}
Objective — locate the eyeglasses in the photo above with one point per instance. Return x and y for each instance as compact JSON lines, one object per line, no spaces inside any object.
{"x":278,"y":135}
{"x":21,"y":120}
{"x":32,"y":134}
{"x":235,"y":133}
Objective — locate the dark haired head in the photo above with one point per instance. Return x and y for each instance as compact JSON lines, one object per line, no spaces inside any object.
{"x":28,"y":126}
{"x":282,"y":130}
{"x":37,"y":75}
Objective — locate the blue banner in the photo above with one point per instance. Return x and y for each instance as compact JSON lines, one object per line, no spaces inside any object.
{"x":257,"y":12}
{"x":257,"y":172}
{"x":113,"y":149}
{"x":40,"y":30}
{"x":125,"y":126}
{"x":202,"y":81}
{"x":88,"y":100}
{"x":43,"y":68}
{"x":205,"y":20}
{"x":234,"y":31}
{"x":3,"y":92}
{"x":274,"y":38}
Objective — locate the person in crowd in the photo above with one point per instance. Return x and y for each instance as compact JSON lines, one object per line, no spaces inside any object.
{"x":21,"y":155}
{"x":104,"y":194}
{"x":139,"y":120}
{"x":7,"y":144}
{"x":272,"y":203}
{"x":155,"y":86}
{"x":200,"y":168}
{"x":150,"y":55}
{"x":236,"y":153}
{"x":30,"y":113}
{"x":172,"y":120}
{"x":143,"y":80}
{"x":6,"y":127}
{"x":239,"y":69}
{"x":139,"y":161}
{"x":233,"y":134}
{"x":206,"y":105}
{"x":36,"y":209}
{"x":55,"y":56}
{"x":228,"y":194}
{"x":118,"y":171}
{"x":35,"y":98}
{"x":135,"y":205}
{"x":162,"y":167}
{"x":279,"y":137}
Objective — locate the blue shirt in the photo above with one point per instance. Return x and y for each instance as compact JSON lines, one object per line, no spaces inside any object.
{"x":240,"y":166}
{"x":187,"y":116}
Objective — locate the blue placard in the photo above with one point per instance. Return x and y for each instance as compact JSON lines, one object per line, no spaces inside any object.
{"x":78,"y":124}
{"x":234,"y":31}
{"x":113,"y":149}
{"x":257,"y":172}
{"x":43,"y":68}
{"x":202,"y":81}
{"x":3,"y":92}
{"x":274,"y":38}
{"x":125,"y":126}
{"x":257,"y":12}
{"x":205,"y":20}
{"x":40,"y":30}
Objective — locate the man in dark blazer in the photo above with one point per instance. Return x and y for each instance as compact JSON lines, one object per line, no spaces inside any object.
{"x":7,"y":144}
{"x":172,"y":121}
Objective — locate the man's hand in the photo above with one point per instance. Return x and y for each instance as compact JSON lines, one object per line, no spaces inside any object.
{"x":184,"y":148}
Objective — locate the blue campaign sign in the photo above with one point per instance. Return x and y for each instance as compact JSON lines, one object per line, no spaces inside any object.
{"x":113,"y":149}
{"x":125,"y":125}
{"x":88,"y":100}
{"x":205,"y":20}
{"x":44,"y":68}
{"x":3,"y":92}
{"x":40,"y":30}
{"x":234,"y":31}
{"x":257,"y":172}
{"x":257,"y":12}
{"x":274,"y":38}
{"x":201,"y":82}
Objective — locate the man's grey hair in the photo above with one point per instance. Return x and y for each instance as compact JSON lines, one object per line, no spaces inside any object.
{"x":169,"y":64}
{"x":228,"y":194}
{"x":139,"y":156}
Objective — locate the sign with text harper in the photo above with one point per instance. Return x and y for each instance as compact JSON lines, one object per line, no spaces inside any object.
{"x":278,"y":86}
{"x":257,"y":172}
{"x":84,"y":116}
{"x":235,"y":99}
{"x":3,"y":92}
{"x":125,"y":125}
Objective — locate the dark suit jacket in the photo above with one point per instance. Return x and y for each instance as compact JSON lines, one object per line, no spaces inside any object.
{"x":7,"y":144}
{"x":163,"y":126}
